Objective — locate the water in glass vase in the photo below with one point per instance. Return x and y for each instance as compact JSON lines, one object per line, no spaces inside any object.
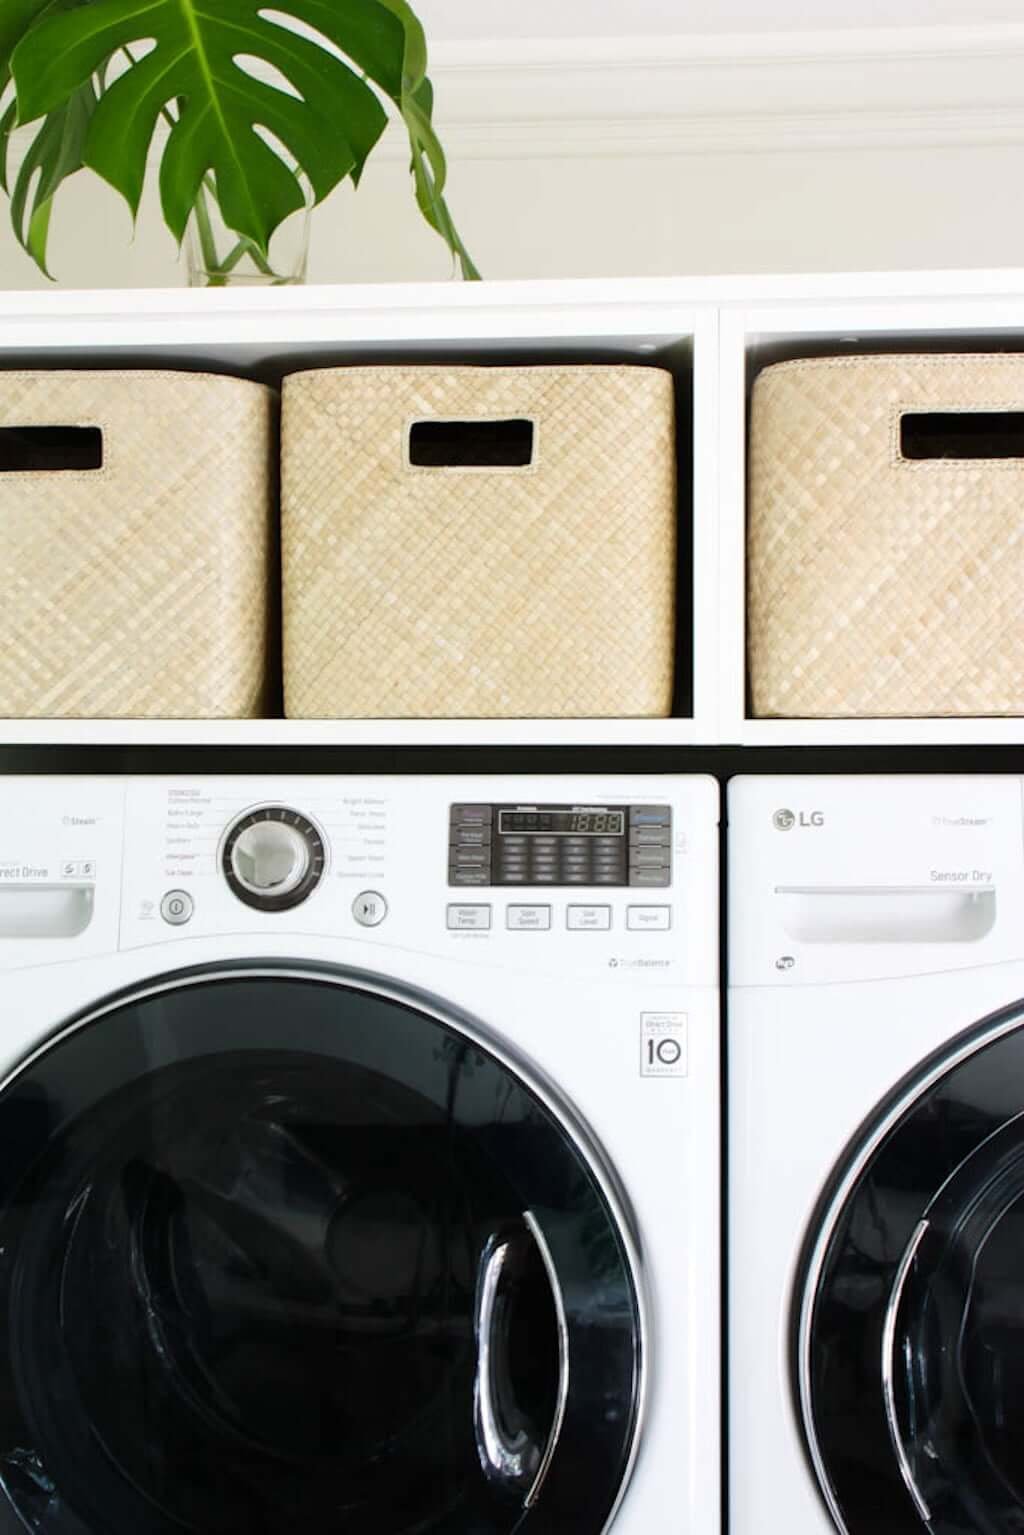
{"x":218,"y":257}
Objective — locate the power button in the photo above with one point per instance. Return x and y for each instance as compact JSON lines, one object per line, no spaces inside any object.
{"x":177,"y":907}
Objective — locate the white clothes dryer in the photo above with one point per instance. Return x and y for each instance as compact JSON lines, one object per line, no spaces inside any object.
{"x":875,"y":1179}
{"x":360,"y":1165}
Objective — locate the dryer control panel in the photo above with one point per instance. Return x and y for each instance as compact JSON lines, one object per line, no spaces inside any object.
{"x":865,"y":877}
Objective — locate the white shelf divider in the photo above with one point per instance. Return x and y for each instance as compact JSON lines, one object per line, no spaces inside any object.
{"x":732,"y":529}
{"x":706,"y":529}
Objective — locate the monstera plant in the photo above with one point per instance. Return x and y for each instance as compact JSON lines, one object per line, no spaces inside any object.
{"x":258,"y":111}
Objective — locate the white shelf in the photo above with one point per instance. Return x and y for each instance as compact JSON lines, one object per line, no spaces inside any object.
{"x":714,"y":332}
{"x":887,"y":732}
{"x":278,"y":732}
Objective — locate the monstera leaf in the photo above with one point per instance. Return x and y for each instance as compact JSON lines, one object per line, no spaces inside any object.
{"x":55,"y":152}
{"x":16,"y":18}
{"x":416,"y":103}
{"x":193,"y":65}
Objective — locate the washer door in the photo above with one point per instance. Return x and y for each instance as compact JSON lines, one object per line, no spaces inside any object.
{"x":911,"y":1349}
{"x":286,"y":1252}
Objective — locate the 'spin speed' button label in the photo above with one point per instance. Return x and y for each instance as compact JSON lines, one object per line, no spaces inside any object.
{"x":663,"y":1045}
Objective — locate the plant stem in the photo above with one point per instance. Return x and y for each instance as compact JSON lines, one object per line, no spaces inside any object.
{"x":245,"y":247}
{"x":214,"y":271}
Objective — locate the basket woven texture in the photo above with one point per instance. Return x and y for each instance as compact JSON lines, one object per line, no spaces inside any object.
{"x":881,"y":585}
{"x":453,"y":592}
{"x":139,"y":589}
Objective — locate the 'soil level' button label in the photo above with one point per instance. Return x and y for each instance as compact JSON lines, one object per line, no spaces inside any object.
{"x":663,"y":1045}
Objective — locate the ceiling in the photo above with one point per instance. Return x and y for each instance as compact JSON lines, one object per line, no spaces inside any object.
{"x":449,"y":20}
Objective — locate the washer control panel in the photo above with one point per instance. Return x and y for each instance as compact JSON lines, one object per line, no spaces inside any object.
{"x":594,"y":845}
{"x":568,"y":875}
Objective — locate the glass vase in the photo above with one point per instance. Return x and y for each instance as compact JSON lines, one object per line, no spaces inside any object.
{"x":218,"y":257}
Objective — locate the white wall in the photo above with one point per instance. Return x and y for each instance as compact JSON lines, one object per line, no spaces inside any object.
{"x":589,"y":157}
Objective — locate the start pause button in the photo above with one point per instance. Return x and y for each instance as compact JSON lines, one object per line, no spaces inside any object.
{"x":369,"y":908}
{"x":663,"y":1045}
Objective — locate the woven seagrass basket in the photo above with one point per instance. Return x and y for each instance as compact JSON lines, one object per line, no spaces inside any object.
{"x":478,"y":542}
{"x":135,"y":543}
{"x":886,"y":537}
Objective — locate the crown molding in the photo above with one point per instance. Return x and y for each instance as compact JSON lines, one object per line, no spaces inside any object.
{"x":878,"y":88}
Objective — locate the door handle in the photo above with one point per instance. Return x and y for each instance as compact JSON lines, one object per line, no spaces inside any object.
{"x":509,"y":1447}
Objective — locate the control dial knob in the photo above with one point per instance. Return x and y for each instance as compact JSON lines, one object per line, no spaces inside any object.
{"x":272,"y":858}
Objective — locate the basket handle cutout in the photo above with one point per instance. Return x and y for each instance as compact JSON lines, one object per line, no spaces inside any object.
{"x":50,"y":448}
{"x":494,"y":444}
{"x":962,"y":434}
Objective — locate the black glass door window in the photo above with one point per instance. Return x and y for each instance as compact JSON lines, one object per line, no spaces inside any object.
{"x":915,"y":1359}
{"x":279,"y":1254}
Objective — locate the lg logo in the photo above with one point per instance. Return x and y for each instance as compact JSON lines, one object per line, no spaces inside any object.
{"x":785,"y":820}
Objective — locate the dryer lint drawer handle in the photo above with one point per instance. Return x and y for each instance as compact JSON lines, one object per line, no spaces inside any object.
{"x":45,"y":911}
{"x":887,"y":913}
{"x":509,"y":1449}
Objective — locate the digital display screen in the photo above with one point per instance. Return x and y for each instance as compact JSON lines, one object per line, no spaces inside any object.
{"x":564,"y":823}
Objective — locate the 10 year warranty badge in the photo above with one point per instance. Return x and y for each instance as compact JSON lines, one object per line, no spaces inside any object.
{"x":663,"y":1045}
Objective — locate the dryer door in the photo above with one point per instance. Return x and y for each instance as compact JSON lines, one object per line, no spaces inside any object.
{"x":290,"y":1252}
{"x":911,"y":1339}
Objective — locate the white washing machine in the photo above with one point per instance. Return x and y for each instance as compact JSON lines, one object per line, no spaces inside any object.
{"x":360,"y":1156}
{"x":876,"y":1155}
